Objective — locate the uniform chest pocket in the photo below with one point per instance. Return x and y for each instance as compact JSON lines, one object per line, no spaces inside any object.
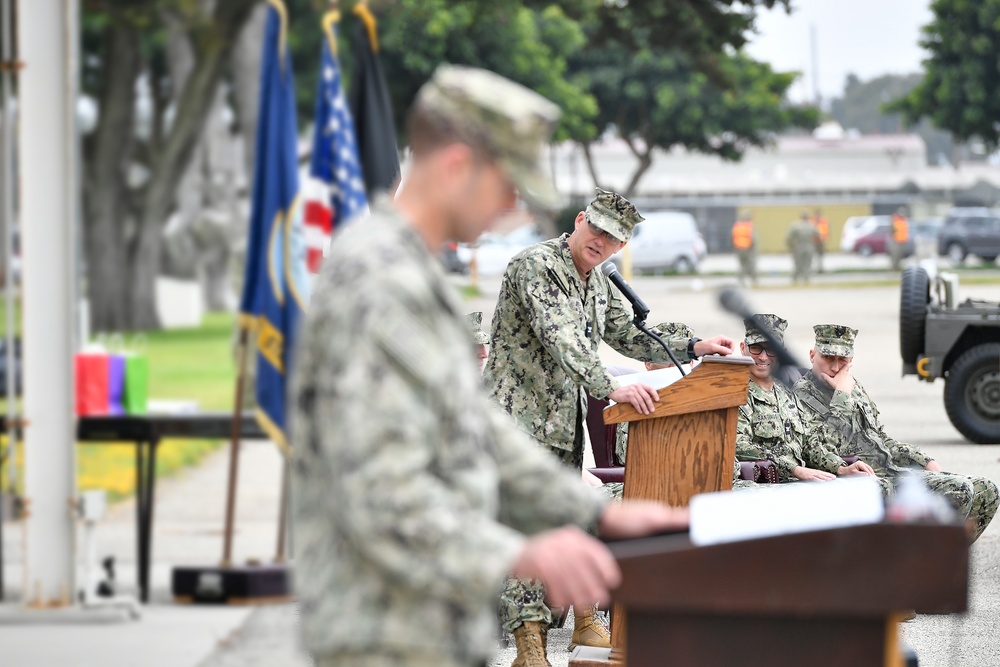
{"x":767,"y":425}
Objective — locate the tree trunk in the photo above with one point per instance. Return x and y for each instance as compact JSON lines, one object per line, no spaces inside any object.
{"x":247,"y":58}
{"x":105,"y":198}
{"x":645,"y":162}
{"x":591,"y":167}
{"x":192,"y":107}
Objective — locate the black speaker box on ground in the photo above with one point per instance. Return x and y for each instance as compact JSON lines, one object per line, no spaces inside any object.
{"x":236,"y":584}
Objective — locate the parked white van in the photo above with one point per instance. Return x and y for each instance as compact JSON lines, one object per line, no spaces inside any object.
{"x":665,"y":240}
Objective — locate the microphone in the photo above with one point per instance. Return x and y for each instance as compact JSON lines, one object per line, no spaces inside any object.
{"x":639,"y":306}
{"x":732,"y":301}
{"x":640,"y":309}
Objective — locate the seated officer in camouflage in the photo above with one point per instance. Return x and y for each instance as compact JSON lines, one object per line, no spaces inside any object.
{"x":840,"y":411}
{"x":479,"y":337}
{"x":412,"y":498}
{"x":553,"y":311}
{"x":770,"y":425}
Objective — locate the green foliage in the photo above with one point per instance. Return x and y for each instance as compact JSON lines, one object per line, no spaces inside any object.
{"x":861,"y":108}
{"x":960,"y":91}
{"x":529,"y":45}
{"x":662,"y":100}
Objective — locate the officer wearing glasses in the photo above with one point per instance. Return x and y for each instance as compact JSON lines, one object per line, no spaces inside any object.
{"x":771,"y":425}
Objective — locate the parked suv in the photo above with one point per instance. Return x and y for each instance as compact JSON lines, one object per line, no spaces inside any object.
{"x":959,"y":342}
{"x":665,"y":240}
{"x":970,"y":231}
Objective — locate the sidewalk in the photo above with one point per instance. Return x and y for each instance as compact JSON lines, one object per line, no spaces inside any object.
{"x":189,"y":515}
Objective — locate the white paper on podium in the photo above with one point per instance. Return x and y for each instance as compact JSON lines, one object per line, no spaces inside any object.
{"x":782,"y":509}
{"x":658,"y":379}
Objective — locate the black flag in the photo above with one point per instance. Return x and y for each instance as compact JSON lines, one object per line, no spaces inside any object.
{"x":371,"y":108}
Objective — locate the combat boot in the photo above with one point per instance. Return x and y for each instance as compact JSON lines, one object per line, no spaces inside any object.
{"x":530,"y":639}
{"x":588,"y":630}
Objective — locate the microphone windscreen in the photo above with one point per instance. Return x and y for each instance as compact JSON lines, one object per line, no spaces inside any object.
{"x":608,"y":268}
{"x":731,"y":300}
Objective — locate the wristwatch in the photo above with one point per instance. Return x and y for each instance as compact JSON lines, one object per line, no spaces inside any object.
{"x":691,"y":354}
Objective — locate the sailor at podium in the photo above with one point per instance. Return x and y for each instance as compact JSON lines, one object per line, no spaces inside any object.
{"x":553,"y":311}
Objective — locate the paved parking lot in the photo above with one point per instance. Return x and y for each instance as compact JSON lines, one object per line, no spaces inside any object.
{"x":189,"y":508}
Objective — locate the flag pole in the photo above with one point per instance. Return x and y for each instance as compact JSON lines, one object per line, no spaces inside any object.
{"x":234,"y":446}
{"x":279,"y":556}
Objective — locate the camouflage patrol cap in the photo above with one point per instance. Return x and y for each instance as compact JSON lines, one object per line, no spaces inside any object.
{"x":614,"y":214}
{"x":479,"y":336}
{"x":775,"y":326}
{"x":505,"y":119}
{"x":835,"y":340}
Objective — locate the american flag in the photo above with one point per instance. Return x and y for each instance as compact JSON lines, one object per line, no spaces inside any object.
{"x":335,"y":190}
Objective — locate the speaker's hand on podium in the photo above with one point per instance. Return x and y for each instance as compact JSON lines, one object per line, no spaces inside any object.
{"x":637,"y":518}
{"x":641,"y":396}
{"x":718,"y":345}
{"x":576,"y":568}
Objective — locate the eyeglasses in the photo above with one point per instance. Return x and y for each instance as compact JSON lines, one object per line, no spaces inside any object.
{"x":757,"y":349}
{"x":597,"y":231}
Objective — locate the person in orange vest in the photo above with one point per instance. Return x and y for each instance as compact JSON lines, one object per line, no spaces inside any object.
{"x":745,"y":245}
{"x":823,"y":233}
{"x":899,"y":238}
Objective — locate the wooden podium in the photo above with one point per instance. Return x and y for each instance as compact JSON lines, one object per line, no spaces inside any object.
{"x":825,"y":598}
{"x":686,"y":446}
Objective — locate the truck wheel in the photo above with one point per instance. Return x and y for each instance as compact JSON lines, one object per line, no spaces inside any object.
{"x":956,"y":253}
{"x":914,"y":294}
{"x":972,"y":394}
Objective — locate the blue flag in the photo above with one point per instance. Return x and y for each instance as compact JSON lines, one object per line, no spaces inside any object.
{"x":276,"y":283}
{"x":335,"y":191}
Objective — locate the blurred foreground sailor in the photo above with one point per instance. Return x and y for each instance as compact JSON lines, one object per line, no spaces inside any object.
{"x":412,"y":497}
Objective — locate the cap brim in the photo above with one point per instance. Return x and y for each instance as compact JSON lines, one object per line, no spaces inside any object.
{"x":533,"y":186}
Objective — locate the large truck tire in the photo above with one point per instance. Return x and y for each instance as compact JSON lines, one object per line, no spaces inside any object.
{"x":972,"y":394}
{"x":914,"y":295}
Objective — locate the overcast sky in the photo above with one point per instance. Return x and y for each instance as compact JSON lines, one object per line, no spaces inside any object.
{"x":866,"y":37}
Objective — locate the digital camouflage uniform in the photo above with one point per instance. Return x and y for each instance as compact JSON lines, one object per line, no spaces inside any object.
{"x":801,"y":242}
{"x":770,"y":425}
{"x":849,"y":425}
{"x":411,"y":495}
{"x":475,"y":323}
{"x":546,"y":330}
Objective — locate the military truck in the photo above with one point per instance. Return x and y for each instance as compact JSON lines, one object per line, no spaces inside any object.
{"x":960,"y":342}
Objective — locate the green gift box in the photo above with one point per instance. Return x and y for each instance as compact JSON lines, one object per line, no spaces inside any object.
{"x":136,"y":384}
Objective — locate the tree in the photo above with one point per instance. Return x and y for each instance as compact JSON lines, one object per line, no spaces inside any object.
{"x":960,"y":90}
{"x":130,"y":178}
{"x":861,"y":107}
{"x":718,"y":103}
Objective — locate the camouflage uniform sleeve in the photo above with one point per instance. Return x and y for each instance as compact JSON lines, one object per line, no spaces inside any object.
{"x":537,"y":491}
{"x":749,"y":450}
{"x":551,"y":316}
{"x":384,"y":496}
{"x":902,"y":454}
{"x":815,"y":451}
{"x":839,"y":423}
{"x":621,"y":442}
{"x":623,"y":336}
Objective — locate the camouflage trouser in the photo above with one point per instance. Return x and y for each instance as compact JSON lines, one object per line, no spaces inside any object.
{"x":803,"y":266}
{"x":748,"y":265}
{"x":896,"y":251}
{"x":975,"y":498}
{"x":524,"y":599}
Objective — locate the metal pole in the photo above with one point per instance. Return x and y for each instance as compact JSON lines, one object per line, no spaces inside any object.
{"x":234,"y":448}
{"x":48,"y":153}
{"x":7,"y":218}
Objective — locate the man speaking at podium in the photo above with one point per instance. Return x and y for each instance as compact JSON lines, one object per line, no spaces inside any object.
{"x":411,"y":497}
{"x":553,"y":311}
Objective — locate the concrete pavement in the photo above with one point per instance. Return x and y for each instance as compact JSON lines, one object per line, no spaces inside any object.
{"x":190,"y":507}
